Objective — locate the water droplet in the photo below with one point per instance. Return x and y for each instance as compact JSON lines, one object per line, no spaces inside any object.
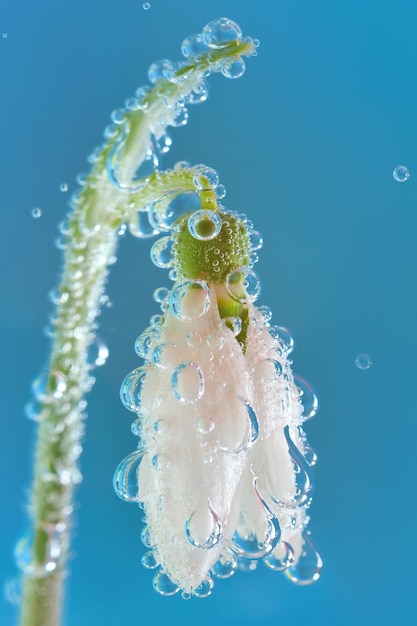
{"x":401,"y":173}
{"x":193,"y":47}
{"x":284,"y":338}
{"x":252,"y":431}
{"x":125,"y":479}
{"x":205,"y":589}
{"x":190,"y":300}
{"x":308,"y":567}
{"x":98,"y":352}
{"x":243,"y":285}
{"x":161,"y":294}
{"x":160,"y":461}
{"x":13,"y":591}
{"x":256,"y":240}
{"x":163,"y":585}
{"x":310,"y":454}
{"x":136,"y":427}
{"x":130,"y":389}
{"x":187,"y":382}
{"x":37,"y":553}
{"x":143,"y":343}
{"x":141,"y":227}
{"x":146,"y":538}
{"x":149,"y":561}
{"x":193,"y":340}
{"x":282,"y":557}
{"x":205,"y":178}
{"x":233,"y":68}
{"x":49,"y":386}
{"x":159,"y":70}
{"x":220,"y":33}
{"x":36,"y":212}
{"x":146,"y":6}
{"x":205,"y":424}
{"x":234,"y":324}
{"x":161,"y":252}
{"x":215,"y":535}
{"x":304,"y":481}
{"x":204,"y":225}
{"x":63,"y":187}
{"x":181,"y":116}
{"x":5,"y":35}
{"x":308,"y":397}
{"x":226,"y":566}
{"x":363,"y":361}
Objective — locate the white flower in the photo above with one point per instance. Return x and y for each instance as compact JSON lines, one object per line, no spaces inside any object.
{"x":221,"y":468}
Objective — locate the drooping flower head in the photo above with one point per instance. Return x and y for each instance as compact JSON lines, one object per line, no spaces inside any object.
{"x":222,"y":469}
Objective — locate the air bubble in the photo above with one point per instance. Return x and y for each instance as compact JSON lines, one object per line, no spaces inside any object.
{"x":98,"y":352}
{"x":243,"y":285}
{"x":308,"y":397}
{"x":49,"y":386}
{"x":143,"y":343}
{"x":161,"y":252}
{"x":37,"y":553}
{"x":256,"y":240}
{"x":363,"y":361}
{"x":63,"y":187}
{"x":205,"y":424}
{"x":146,"y":6}
{"x":190,"y":300}
{"x":125,"y":479}
{"x":193,"y":47}
{"x":308,"y":567}
{"x":161,"y":295}
{"x":204,"y":225}
{"x":131,"y":388}
{"x":220,"y":33}
{"x":284,"y":338}
{"x":226,"y":566}
{"x":401,"y":173}
{"x":205,"y":178}
{"x":159,"y":69}
{"x":205,"y":589}
{"x":282,"y":557}
{"x":163,"y":585}
{"x":234,"y":324}
{"x":36,"y":212}
{"x":215,"y":535}
{"x":187,"y":382}
{"x":141,"y":227}
{"x":233,"y":68}
{"x":149,"y":560}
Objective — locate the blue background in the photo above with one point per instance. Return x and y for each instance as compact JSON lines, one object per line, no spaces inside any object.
{"x":305,"y":143}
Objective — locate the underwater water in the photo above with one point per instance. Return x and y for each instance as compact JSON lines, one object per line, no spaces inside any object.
{"x":306,"y":143}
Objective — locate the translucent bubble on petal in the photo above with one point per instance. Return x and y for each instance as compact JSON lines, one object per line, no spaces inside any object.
{"x":308,"y":567}
{"x":131,"y":387}
{"x":163,"y":585}
{"x":205,"y":424}
{"x":205,"y":589}
{"x":190,"y":300}
{"x":193,"y":47}
{"x":234,"y":324}
{"x":187,"y":382}
{"x":281,"y":558}
{"x":149,"y":560}
{"x":125,"y":479}
{"x":205,"y":178}
{"x":308,"y":397}
{"x":220,"y":33}
{"x":363,"y":361}
{"x":204,"y":225}
{"x":401,"y":173}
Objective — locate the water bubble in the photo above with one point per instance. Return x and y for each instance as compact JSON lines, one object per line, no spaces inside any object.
{"x":215,"y":535}
{"x":161,"y":294}
{"x":220,"y":33}
{"x":252,"y":430}
{"x":164,"y":355}
{"x":36,"y":212}
{"x":187,"y":382}
{"x":146,"y":538}
{"x":146,"y":6}
{"x":163,"y":585}
{"x":13,"y":591}
{"x":136,"y":427}
{"x":5,"y":35}
{"x":282,"y":557}
{"x":190,"y":300}
{"x":215,"y":341}
{"x":308,"y":397}
{"x":166,"y":210}
{"x":363,"y":361}
{"x":205,"y":178}
{"x":226,"y":566}
{"x":125,"y":479}
{"x":308,"y":567}
{"x":198,"y":94}
{"x":205,"y":424}
{"x":193,"y":339}
{"x":181,"y":116}
{"x":233,"y":68}
{"x":143,"y":343}
{"x":49,"y":386}
{"x":193,"y":47}
{"x":159,"y":69}
{"x":130,"y":389}
{"x":120,"y":172}
{"x":141,"y":227}
{"x":256,"y":240}
{"x":234,"y":324}
{"x":243,"y":285}
{"x":205,"y":589}
{"x":37,"y":553}
{"x":204,"y":225}
{"x":118,"y":116}
{"x":310,"y":454}
{"x":220,"y":192}
{"x":161,"y":252}
{"x":63,"y":187}
{"x":249,"y":546}
{"x":284,"y":338}
{"x":401,"y":173}
{"x":149,"y":560}
{"x":98,"y":352}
